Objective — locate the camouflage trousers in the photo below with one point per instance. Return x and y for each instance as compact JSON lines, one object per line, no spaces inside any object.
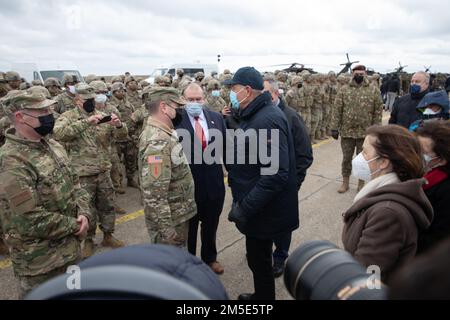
{"x":116,"y":169}
{"x":316,"y":118}
{"x":27,"y":283}
{"x":155,"y":233}
{"x":326,"y":120}
{"x":306,"y":115}
{"x":129,"y":152}
{"x":348,"y":146}
{"x":101,"y":191}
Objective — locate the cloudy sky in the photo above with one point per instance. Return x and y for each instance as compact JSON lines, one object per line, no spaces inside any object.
{"x":111,"y":37}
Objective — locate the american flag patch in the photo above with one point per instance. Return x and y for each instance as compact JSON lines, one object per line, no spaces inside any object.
{"x":154,"y":159}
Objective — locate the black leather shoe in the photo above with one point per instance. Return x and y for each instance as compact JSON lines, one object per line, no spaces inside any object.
{"x":246,"y":296}
{"x":278,"y":270}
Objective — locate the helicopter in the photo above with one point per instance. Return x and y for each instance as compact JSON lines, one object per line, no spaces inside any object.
{"x":347,"y":65}
{"x":293,"y":67}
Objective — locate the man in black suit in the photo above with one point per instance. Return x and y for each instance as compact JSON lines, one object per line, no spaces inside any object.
{"x":200,"y":131}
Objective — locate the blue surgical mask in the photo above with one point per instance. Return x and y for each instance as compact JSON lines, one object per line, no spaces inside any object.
{"x":415,"y":89}
{"x":194,"y":109}
{"x":215,"y":93}
{"x":235,"y":103}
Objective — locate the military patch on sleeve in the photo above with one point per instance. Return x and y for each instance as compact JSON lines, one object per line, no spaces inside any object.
{"x":155,"y":165}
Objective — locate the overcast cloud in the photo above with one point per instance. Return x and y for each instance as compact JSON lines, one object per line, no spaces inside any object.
{"x":111,"y":37}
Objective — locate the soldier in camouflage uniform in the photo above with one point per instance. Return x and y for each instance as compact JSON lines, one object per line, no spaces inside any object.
{"x":295,"y":97}
{"x":53,"y":86}
{"x":13,"y":80}
{"x":127,"y":148}
{"x":332,"y":92}
{"x":132,"y":92}
{"x":166,"y":181}
{"x":357,"y":107}
{"x":81,"y":133}
{"x":199,"y":76}
{"x":316,"y":100}
{"x":109,"y":141}
{"x":225,"y":91}
{"x":43,"y":209}
{"x":66,"y":99}
{"x":213,"y":99}
{"x":180,"y":77}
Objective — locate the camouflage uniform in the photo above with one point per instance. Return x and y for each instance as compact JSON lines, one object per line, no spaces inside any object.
{"x":40,"y":199}
{"x":215,"y":103}
{"x":316,"y":110}
{"x":179,"y":79}
{"x":332,"y":91}
{"x":295,"y":97}
{"x":133,"y":97}
{"x":357,"y":107}
{"x":49,"y":83}
{"x":64,"y":103}
{"x":84,"y":146}
{"x":166,"y":181}
{"x":126,"y":147}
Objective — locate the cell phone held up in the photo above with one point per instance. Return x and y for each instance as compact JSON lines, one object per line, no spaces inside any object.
{"x":105,"y":119}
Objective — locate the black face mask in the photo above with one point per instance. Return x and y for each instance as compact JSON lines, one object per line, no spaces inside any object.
{"x":358,"y":78}
{"x":47,"y":124}
{"x":177,"y":120}
{"x":89,"y":105}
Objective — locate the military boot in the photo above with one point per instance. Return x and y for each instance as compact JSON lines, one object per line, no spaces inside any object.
{"x":3,"y":248}
{"x":360,"y":185}
{"x":345,"y":185}
{"x":110,"y":241}
{"x":88,"y":249}
{"x":131,"y":182}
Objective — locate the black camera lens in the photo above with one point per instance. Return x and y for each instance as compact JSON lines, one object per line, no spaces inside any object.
{"x":319,"y":270}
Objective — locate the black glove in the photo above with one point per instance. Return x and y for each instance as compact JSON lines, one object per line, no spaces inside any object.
{"x":237,"y":215}
{"x":335,"y":134}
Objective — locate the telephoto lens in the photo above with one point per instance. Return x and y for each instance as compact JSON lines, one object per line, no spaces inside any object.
{"x":319,"y":270}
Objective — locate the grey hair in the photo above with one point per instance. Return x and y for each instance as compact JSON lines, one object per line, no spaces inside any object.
{"x":425,"y":74}
{"x":274,"y":87}
{"x":192,"y":85}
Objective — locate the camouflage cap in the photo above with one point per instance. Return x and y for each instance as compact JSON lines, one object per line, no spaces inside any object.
{"x":199,"y":75}
{"x":90,"y":77}
{"x":37,"y":83}
{"x":165,"y":94}
{"x":213,"y":84}
{"x":40,"y":90}
{"x":226,"y":71}
{"x":85,"y":91}
{"x":144,"y":83}
{"x":180,"y":71}
{"x":69,"y":78}
{"x":12,"y":76}
{"x":116,"y":79}
{"x":129,"y":79}
{"x":99,"y":86}
{"x":18,"y":100}
{"x":116,"y":86}
{"x":296,"y":80}
{"x":52,"y":82}
{"x":24,"y":86}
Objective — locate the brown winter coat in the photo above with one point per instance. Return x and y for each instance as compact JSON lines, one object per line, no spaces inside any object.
{"x":382,"y":228}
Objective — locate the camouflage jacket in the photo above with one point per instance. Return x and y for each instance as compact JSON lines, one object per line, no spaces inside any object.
{"x":135,"y":99}
{"x":64,"y":103}
{"x":140,"y":117}
{"x":86,"y":144}
{"x":225,"y":95}
{"x":295,"y":98}
{"x":356,"y":108}
{"x":215,"y":103}
{"x":166,"y":180}
{"x":126,"y":109}
{"x":40,"y":199}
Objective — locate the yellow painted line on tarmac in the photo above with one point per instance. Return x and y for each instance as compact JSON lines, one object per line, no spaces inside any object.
{"x":4,"y":264}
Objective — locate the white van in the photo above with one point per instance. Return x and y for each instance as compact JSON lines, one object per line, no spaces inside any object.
{"x":43,"y":70}
{"x":190,"y":69}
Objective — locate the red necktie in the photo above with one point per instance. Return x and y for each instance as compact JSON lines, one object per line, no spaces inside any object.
{"x":200,"y":133}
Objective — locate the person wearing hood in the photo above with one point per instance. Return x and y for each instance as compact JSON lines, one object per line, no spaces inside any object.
{"x":382,"y":226}
{"x":265,"y":197}
{"x":433,"y":106}
{"x":404,"y":112}
{"x":434,"y":137}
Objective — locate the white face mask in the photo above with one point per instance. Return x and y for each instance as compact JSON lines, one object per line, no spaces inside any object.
{"x":361,"y":169}
{"x":430,"y":112}
{"x":100,"y":98}
{"x":72,"y":90}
